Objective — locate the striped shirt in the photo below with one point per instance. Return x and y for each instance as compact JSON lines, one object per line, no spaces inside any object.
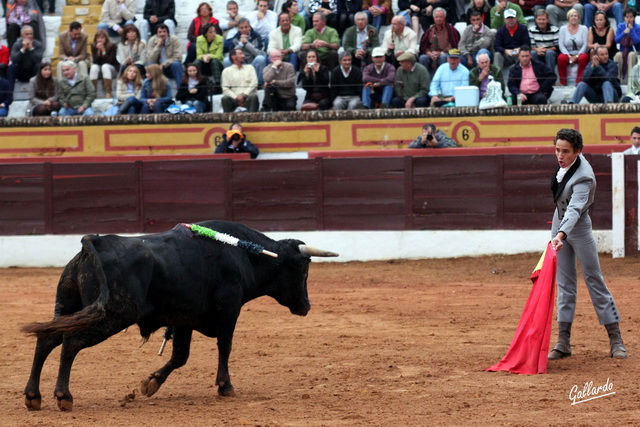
{"x":546,"y":39}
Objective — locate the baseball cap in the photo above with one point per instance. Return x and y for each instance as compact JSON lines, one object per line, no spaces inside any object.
{"x":510,"y":13}
{"x":454,"y":53}
{"x":378,"y":51}
{"x":232,"y":132}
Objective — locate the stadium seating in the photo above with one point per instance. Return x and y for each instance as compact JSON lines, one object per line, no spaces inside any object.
{"x":88,"y":12}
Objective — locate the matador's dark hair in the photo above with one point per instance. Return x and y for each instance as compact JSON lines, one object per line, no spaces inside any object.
{"x":572,"y":136}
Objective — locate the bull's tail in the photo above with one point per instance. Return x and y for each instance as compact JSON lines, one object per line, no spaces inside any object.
{"x":90,"y":268}
{"x":67,"y":324}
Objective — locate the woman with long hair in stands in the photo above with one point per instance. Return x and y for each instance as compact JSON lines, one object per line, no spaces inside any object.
{"x":103,"y":56}
{"x":156,"y":92}
{"x":43,"y":98}
{"x":194,"y":89}
{"x":601,"y":34}
{"x":129,"y":91}
{"x":483,"y":7}
{"x":315,"y":80}
{"x":132,"y":50}
{"x":204,"y":15}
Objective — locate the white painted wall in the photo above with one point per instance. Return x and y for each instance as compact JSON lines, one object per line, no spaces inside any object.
{"x":57,"y":250}
{"x":617,"y":202}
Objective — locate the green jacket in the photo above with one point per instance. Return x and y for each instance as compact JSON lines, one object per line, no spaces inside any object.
{"x":412,"y":84}
{"x":299,"y":22}
{"x":329,"y":35}
{"x":214,"y":49}
{"x":81,"y":94}
{"x":351,"y":39}
{"x":496,"y":73}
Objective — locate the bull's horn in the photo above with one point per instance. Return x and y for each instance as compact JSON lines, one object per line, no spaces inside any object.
{"x":311,"y":251}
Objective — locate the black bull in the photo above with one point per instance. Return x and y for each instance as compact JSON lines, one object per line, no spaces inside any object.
{"x":175,"y":278}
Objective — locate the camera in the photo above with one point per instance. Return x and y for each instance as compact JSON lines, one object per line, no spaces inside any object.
{"x":311,"y":64}
{"x":429,"y":137}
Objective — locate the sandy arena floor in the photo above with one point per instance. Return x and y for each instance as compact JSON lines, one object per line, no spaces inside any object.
{"x":402,"y":343}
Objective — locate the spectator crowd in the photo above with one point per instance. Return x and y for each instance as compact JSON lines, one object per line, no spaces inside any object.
{"x":334,"y":50}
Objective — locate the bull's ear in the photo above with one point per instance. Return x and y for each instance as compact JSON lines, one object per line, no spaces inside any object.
{"x":311,"y":251}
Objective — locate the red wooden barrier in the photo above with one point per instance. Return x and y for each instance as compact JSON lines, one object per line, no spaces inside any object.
{"x":462,"y":151}
{"x":370,"y":193}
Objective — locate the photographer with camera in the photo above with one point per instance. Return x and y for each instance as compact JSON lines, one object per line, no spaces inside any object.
{"x":233,"y":141}
{"x":432,"y":138}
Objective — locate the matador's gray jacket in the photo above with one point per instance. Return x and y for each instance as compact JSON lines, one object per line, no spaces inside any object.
{"x":573,"y":197}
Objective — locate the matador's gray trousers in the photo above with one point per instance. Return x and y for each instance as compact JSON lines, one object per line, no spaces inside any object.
{"x":581,"y":245}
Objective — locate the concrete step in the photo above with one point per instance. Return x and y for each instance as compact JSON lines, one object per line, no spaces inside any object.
{"x":19,"y":108}
{"x":20,"y":91}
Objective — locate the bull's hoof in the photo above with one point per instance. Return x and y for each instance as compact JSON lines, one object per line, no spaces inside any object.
{"x":150,"y":385}
{"x":32,"y":402}
{"x":65,"y":404}
{"x":226,"y":391}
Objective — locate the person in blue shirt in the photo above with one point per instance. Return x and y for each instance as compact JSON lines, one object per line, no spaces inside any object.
{"x":600,"y":82}
{"x":628,"y":38}
{"x":447,"y":77}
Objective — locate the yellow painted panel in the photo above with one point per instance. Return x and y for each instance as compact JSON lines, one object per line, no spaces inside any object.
{"x":27,"y":141}
{"x":48,"y":140}
{"x":290,"y":136}
{"x":82,"y":10}
{"x":174,"y":138}
{"x":201,"y":138}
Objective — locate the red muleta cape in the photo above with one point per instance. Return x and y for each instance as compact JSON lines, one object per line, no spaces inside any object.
{"x":530,"y":345}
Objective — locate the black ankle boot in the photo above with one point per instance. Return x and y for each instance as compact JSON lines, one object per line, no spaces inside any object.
{"x":563,"y":347}
{"x":618,"y":350}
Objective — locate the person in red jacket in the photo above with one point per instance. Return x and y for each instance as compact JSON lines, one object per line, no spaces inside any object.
{"x":4,"y":61}
{"x":204,"y":16}
{"x":437,"y":41}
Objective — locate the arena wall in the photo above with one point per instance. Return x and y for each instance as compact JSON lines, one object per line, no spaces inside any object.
{"x":370,"y":193}
{"x":366,"y":208}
